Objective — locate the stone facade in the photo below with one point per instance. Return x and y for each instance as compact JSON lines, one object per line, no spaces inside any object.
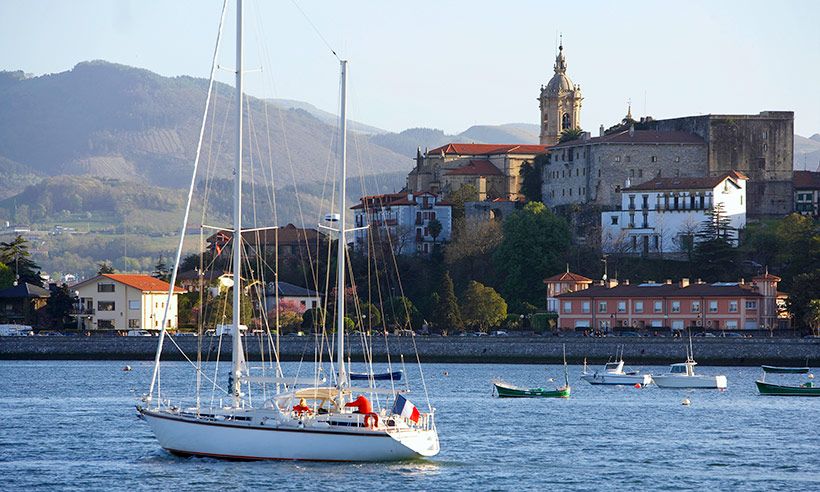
{"x":760,"y":146}
{"x":559,"y":102}
{"x":494,"y":170}
{"x":594,"y":170}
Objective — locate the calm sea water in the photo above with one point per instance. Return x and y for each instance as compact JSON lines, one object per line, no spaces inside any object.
{"x":72,"y":426}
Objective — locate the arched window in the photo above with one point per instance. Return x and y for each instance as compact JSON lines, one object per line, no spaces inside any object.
{"x":565,"y":121}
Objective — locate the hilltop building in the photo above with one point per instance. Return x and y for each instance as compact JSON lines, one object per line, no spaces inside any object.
{"x":593,"y":170}
{"x":124,"y":302}
{"x":560,"y":103}
{"x":494,"y":170}
{"x":807,"y":193}
{"x":663,"y":215}
{"x":401,"y":221}
{"x":730,"y":306}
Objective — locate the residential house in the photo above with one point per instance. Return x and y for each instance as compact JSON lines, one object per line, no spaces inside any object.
{"x":301,"y":296}
{"x":289,"y":241}
{"x":123,"y":302}
{"x":807,"y":193}
{"x":563,"y":283}
{"x":21,"y":304}
{"x":401,"y":221}
{"x":663,"y":215}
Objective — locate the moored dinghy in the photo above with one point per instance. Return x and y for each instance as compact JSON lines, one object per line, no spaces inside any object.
{"x":771,"y":389}
{"x":506,"y":390}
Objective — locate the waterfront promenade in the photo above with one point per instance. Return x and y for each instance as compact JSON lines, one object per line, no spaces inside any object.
{"x":513,"y":349}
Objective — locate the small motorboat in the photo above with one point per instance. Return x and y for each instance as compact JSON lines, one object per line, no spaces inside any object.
{"x":770,"y":389}
{"x":376,"y":376}
{"x":682,"y":375}
{"x":614,"y":374}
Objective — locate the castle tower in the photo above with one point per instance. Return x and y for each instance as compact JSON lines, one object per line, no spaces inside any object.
{"x":560,"y":102}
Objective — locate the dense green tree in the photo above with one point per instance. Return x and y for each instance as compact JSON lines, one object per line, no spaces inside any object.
{"x":59,"y":304}
{"x":434,"y":227}
{"x":446,"y":313}
{"x":313,"y":319}
{"x":715,"y":255}
{"x":812,"y":317}
{"x":535,"y":243}
{"x":483,"y":307}
{"x":161,"y":270}
{"x":799,"y":246}
{"x":805,"y":288}
{"x":105,"y":267}
{"x":371,"y":316}
{"x":6,"y":276}
{"x":401,"y":313}
{"x":531,"y":178}
{"x":16,"y":256}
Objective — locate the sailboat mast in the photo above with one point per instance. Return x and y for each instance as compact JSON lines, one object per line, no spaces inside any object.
{"x":236,"y":352}
{"x":342,"y":246}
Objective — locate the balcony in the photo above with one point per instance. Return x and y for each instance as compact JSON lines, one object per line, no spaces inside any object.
{"x":81,"y":312}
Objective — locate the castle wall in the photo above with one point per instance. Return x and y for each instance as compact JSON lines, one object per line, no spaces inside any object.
{"x":760,"y":146}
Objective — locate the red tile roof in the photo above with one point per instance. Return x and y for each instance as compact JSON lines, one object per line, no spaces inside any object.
{"x":682,"y":183}
{"x":638,"y":137}
{"x":666,"y":290}
{"x":488,"y":149}
{"x":806,"y":180}
{"x":145,"y":283}
{"x":394,"y":199}
{"x":480,"y":167}
{"x":568,"y":277}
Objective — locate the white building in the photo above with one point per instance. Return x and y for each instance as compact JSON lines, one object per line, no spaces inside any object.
{"x":305,"y":298}
{"x":125,"y":302}
{"x":401,"y":221}
{"x":663,"y":215}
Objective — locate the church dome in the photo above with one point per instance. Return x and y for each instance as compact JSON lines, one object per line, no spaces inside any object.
{"x":559,"y":83}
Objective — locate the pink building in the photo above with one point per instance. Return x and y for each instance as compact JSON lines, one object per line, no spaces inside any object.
{"x":614,"y":306}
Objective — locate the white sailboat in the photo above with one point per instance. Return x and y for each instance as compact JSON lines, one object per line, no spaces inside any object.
{"x":323,"y":427}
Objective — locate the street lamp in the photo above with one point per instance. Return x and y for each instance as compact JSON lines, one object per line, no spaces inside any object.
{"x":79,"y":309}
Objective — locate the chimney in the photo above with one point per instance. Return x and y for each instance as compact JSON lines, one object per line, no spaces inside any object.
{"x":700,"y":281}
{"x":668,"y":281}
{"x":601,"y":131}
{"x":742,"y":282}
{"x":684,"y":282}
{"x":626,"y":282}
{"x":611,"y":283}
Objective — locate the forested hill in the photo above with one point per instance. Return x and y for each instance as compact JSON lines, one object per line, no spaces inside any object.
{"x":110,"y":120}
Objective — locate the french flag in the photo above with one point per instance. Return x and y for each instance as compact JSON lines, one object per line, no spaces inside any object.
{"x":406,"y":409}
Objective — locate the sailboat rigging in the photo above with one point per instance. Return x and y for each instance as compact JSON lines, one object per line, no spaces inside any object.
{"x":328,"y":429}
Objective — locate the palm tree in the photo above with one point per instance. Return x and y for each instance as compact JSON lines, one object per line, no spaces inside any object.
{"x":570,"y":134}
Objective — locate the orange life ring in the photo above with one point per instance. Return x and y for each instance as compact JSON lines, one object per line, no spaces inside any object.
{"x":373,"y":416}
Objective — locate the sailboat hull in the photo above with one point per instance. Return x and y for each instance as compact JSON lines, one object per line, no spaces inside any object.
{"x":256,"y":442}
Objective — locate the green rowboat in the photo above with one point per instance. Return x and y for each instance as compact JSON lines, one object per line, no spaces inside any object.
{"x":770,"y":389}
{"x":505,"y":390}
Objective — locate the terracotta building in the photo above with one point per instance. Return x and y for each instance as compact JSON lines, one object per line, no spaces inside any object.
{"x":729,"y":306}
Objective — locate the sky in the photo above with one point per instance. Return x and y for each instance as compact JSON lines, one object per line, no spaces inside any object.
{"x":452,"y":64}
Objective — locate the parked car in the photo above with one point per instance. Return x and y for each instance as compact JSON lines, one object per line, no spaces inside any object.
{"x":731,"y":334}
{"x":499,"y":333}
{"x":705,"y":335}
{"x":629,"y":334}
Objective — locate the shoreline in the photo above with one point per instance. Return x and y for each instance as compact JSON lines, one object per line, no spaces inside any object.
{"x":488,"y":350}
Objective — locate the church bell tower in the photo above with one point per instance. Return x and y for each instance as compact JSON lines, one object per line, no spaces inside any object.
{"x":560,"y":102}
